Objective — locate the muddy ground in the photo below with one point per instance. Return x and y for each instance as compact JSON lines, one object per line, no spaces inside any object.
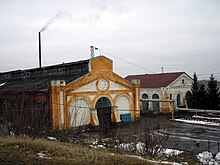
{"x":182,"y":136}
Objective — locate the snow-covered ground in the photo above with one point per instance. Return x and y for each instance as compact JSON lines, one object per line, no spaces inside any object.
{"x":204,"y":117}
{"x":204,"y":157}
{"x":207,"y":158}
{"x":140,"y":148}
{"x":194,"y":121}
{"x":171,"y":152}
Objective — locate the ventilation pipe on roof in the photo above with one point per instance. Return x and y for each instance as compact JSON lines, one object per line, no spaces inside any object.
{"x":162,"y":69}
{"x":92,"y":51}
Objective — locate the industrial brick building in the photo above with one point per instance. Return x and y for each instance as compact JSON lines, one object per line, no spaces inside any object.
{"x":69,"y":95}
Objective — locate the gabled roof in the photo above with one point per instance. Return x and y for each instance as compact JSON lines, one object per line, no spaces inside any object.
{"x":155,"y":80}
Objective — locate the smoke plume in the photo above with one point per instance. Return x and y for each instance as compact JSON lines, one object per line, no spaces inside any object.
{"x":60,"y":14}
{"x":94,"y":17}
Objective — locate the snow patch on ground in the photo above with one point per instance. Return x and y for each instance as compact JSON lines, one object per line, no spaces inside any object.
{"x":139,"y":148}
{"x":42,"y":155}
{"x":170,"y":152}
{"x":217,"y":157}
{"x":51,"y":138}
{"x":198,"y":122}
{"x":94,"y":143}
{"x":97,"y":146}
{"x":2,"y":84}
{"x":204,"y":117}
{"x":127,"y":146}
{"x":207,"y":158}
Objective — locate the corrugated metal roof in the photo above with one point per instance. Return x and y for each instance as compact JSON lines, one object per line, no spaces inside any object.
{"x":38,"y":79}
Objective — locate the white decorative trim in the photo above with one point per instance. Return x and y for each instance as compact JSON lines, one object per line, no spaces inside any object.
{"x":61,"y":108}
{"x":95,"y":117}
{"x":113,"y":96}
{"x":102,"y":85}
{"x":115,"y":86}
{"x":68,"y":98}
{"x":91,"y":87}
{"x":92,"y":97}
{"x":79,"y":79}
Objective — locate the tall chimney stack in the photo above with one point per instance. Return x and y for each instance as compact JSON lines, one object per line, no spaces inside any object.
{"x":39,"y":50}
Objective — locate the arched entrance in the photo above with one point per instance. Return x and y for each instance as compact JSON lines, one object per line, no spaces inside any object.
{"x":103,"y":106}
{"x":145,"y":103}
{"x":156,"y":104}
{"x":123,"y":104}
{"x":80,"y":113}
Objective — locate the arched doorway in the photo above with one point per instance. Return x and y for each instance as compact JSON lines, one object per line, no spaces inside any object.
{"x":156,"y":104}
{"x":103,"y":106}
{"x":123,"y":104}
{"x":178,"y":100}
{"x":145,"y":103}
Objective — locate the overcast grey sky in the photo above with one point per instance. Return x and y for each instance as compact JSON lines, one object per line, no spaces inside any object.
{"x":179,"y":35}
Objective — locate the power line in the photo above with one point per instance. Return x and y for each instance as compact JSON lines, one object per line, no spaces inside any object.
{"x":127,"y":61}
{"x":206,"y":74}
{"x":182,"y":64}
{"x":158,"y":65}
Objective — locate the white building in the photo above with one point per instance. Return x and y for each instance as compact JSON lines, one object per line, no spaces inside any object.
{"x":165,"y":86}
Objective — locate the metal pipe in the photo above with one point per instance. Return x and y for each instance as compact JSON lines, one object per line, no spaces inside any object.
{"x":92,"y":51}
{"x":92,"y":54}
{"x":39,"y":50}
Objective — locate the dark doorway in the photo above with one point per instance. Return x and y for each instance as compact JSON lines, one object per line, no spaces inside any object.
{"x":178,"y":99}
{"x":156,"y":104}
{"x":188,"y":96}
{"x":145,"y":103}
{"x":103,"y":106}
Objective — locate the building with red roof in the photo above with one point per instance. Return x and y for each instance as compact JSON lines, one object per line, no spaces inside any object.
{"x":157,"y":89}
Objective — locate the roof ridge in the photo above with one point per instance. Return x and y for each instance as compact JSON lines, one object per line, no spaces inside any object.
{"x":156,"y":80}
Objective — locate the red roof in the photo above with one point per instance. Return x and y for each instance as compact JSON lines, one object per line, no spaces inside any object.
{"x":155,"y":80}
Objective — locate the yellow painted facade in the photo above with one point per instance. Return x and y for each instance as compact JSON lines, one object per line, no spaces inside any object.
{"x":165,"y":106}
{"x":100,"y":82}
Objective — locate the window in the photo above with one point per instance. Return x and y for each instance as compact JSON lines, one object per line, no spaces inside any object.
{"x":183,"y":82}
{"x":178,"y":98}
{"x":171,"y":97}
{"x":145,"y":103}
